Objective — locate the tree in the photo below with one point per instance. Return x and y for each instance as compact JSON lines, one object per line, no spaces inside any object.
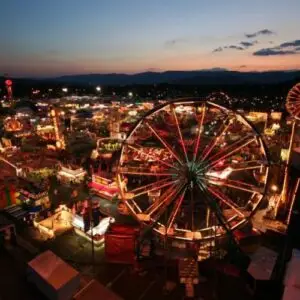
{"x":80,"y":149}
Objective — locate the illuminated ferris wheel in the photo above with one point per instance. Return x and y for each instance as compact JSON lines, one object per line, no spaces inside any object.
{"x":193,"y":170}
{"x":293,"y":101}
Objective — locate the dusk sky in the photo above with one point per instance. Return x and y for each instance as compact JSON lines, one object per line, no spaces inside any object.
{"x":47,"y":38}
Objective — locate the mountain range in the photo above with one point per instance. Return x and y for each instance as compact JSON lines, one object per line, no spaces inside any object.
{"x":216,"y":76}
{"x":203,"y":77}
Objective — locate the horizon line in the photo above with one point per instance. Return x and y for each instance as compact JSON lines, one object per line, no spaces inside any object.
{"x":216,"y":70}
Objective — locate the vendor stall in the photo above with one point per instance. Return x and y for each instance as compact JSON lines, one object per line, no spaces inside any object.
{"x":97,"y":232}
{"x":104,"y":187}
{"x":70,"y":174}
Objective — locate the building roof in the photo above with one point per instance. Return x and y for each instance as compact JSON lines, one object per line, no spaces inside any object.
{"x":262,"y":263}
{"x":96,"y":288}
{"x":53,"y":269}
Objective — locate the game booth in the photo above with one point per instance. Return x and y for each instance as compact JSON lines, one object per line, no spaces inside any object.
{"x":58,"y":223}
{"x":106,"y":188}
{"x":120,"y":244}
{"x":71,"y":174}
{"x":82,"y":227}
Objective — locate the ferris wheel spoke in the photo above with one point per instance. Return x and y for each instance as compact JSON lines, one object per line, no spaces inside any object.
{"x":166,"y":194}
{"x":134,"y":207}
{"x":175,"y":210}
{"x":245,"y":168}
{"x":137,"y":147}
{"x":179,"y":132}
{"x":200,"y":129}
{"x":213,"y":143}
{"x":152,"y":187}
{"x":242,"y":166}
{"x":296,"y":111}
{"x":214,"y":208}
{"x":226,"y":200}
{"x":137,"y":171}
{"x":228,"y":151}
{"x":235,"y":184}
{"x":164,"y":143}
{"x":161,"y":204}
{"x":230,"y":147}
{"x":292,"y":102}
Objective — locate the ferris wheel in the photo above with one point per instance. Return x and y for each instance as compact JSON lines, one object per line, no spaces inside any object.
{"x":293,"y":102}
{"x":193,"y":170}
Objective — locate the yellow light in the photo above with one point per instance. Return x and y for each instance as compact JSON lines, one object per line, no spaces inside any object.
{"x":284,"y":154}
{"x":58,"y":144}
{"x":274,"y":188}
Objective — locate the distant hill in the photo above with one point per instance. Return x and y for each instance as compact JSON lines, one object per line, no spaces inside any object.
{"x":205,"y":77}
{"x":216,"y":76}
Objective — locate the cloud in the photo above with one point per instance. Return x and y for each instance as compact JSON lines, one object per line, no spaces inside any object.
{"x":153,"y":70}
{"x":290,"y":44}
{"x":242,"y":66}
{"x":219,"y":49}
{"x":244,"y":46}
{"x":258,"y":33}
{"x":248,"y":44}
{"x":234,"y":47}
{"x":285,"y":48}
{"x":272,"y":52}
{"x":174,"y":42}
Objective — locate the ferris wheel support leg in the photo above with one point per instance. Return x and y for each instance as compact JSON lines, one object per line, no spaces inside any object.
{"x":292,"y":202}
{"x":284,"y":193}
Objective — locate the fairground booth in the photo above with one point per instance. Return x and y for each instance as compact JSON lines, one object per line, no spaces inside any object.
{"x":71,"y":174}
{"x":104,"y":187}
{"x":55,"y":224}
{"x":89,"y":222}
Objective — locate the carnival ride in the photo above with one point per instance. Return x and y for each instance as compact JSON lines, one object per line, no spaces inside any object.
{"x":293,"y":102}
{"x":8,"y":85}
{"x":12,"y":124}
{"x":56,"y":114}
{"x":197,"y":177}
{"x":293,"y":107}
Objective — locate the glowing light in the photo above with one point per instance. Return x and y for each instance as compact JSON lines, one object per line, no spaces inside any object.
{"x":65,"y":90}
{"x":274,"y":188}
{"x":130,"y":94}
{"x":132,"y":113}
{"x":98,"y":88}
{"x":284,"y":154}
{"x":8,"y":82}
{"x":222,"y":174}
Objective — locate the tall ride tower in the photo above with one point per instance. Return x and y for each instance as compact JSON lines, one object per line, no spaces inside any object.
{"x":8,"y":85}
{"x":55,"y":114}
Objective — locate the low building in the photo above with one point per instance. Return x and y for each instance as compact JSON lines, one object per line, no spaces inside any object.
{"x":71,"y":174}
{"x":96,"y":288}
{"x":34,"y":197}
{"x":55,"y":278}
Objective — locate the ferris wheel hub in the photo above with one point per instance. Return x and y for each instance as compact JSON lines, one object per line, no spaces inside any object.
{"x":191,"y":173}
